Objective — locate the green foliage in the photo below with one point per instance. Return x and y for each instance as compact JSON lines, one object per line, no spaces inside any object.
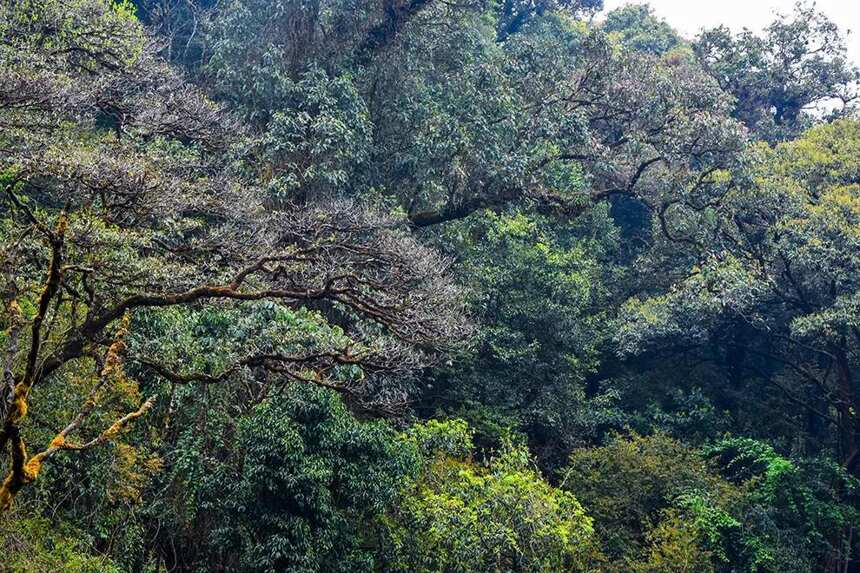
{"x":301,"y":488}
{"x":674,"y":546}
{"x":782,"y":76}
{"x":636,"y":27}
{"x":537,"y":291}
{"x":336,"y":474}
{"x":499,"y":516}
{"x":318,"y":138}
{"x":659,"y":469}
{"x":784,"y":237}
{"x":213,"y":340}
{"x":659,"y":505}
{"x":35,"y":545}
{"x":665,"y":398}
{"x":260,"y":71}
{"x":798,"y":508}
{"x":92,"y":32}
{"x":452,"y":438}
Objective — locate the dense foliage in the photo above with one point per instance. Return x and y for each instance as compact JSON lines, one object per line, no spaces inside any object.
{"x":411,"y":285}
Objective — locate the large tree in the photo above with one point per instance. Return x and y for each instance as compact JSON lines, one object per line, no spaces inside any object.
{"x":446,"y":116}
{"x":775,"y":259}
{"x":797,"y":69}
{"x":119,"y":196}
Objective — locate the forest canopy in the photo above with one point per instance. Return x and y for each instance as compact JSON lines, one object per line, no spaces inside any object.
{"x":426,"y":286}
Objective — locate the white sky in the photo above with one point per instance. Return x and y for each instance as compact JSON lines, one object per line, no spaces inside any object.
{"x":690,"y":16}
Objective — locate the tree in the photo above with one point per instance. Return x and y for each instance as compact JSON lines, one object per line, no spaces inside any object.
{"x":637,"y":28}
{"x":513,"y":16}
{"x":297,"y":484}
{"x":119,"y":197}
{"x":536,"y":290}
{"x":38,"y":545}
{"x":465,"y":517}
{"x":799,"y":509}
{"x":556,"y":98}
{"x":777,"y":254}
{"x":455,"y":121}
{"x":780,"y":78}
{"x":243,"y":244}
{"x":735,"y":505}
{"x":180,"y":24}
{"x":660,"y":470}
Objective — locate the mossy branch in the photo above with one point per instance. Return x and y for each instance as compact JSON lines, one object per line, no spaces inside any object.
{"x":25,"y":470}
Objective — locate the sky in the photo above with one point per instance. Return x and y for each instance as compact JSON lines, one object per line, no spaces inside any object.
{"x":690,"y":16}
